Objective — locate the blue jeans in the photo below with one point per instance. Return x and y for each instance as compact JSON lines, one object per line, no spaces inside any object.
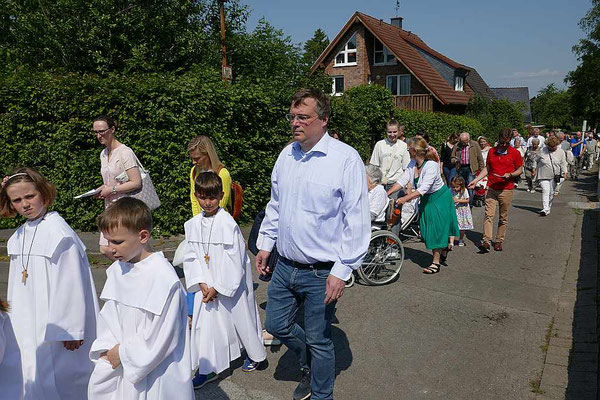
{"x":465,"y":173}
{"x":289,"y":288}
{"x":449,"y":173}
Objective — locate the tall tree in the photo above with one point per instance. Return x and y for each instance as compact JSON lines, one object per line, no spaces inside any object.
{"x":112,"y":35}
{"x":552,"y":107}
{"x":585,"y":79}
{"x":314,"y":47}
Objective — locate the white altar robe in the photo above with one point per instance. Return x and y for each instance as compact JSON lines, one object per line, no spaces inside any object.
{"x":221,"y":328}
{"x":11,"y":375}
{"x":145,"y":313}
{"x":57,"y":303}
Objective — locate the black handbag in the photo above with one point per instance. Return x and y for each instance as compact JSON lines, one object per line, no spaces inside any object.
{"x":556,"y":177}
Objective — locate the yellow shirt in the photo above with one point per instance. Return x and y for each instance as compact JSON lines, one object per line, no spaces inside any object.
{"x":225,"y":201}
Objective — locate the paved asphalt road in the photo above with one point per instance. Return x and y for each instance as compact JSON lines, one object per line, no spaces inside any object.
{"x":472,"y":331}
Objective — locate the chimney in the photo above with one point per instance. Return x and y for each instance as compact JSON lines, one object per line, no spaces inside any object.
{"x":397,"y":22}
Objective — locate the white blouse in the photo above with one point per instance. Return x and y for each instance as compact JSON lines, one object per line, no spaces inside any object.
{"x":378,"y":202}
{"x":430,"y":180}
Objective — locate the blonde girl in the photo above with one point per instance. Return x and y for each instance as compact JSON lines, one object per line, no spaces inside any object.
{"x":460,"y":195}
{"x":204,"y":158}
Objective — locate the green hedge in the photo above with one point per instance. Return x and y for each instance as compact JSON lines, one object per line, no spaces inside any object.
{"x":46,"y":123}
{"x":438,"y":125}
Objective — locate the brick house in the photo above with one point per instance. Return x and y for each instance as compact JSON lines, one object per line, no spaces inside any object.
{"x":368,"y":50}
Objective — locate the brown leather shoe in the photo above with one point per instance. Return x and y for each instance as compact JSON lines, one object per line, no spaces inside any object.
{"x":498,"y":246}
{"x":484,"y":246}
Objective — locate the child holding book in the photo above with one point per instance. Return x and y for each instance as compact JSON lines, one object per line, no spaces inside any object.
{"x":142,"y":347}
{"x":225,"y":317}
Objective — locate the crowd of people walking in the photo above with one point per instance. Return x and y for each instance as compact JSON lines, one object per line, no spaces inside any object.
{"x":155,"y":338}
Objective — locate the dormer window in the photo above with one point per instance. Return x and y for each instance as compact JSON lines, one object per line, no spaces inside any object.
{"x":348,"y":55}
{"x":459,"y":83}
{"x":381,"y":55}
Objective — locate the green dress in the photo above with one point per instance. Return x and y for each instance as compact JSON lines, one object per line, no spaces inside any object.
{"x":437,"y":217}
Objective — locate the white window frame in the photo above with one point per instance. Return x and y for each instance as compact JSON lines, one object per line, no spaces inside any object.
{"x":459,"y":83}
{"x":386,"y":54}
{"x":333,"y":92}
{"x":397,"y":77}
{"x":345,"y":53}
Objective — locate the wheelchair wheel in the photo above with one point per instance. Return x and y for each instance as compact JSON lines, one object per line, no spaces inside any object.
{"x":350,"y":282}
{"x":383,"y":260}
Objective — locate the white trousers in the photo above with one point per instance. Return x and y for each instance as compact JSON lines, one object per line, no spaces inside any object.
{"x":548,"y":188}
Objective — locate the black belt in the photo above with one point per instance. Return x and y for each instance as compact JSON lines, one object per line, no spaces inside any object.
{"x":317,"y":265}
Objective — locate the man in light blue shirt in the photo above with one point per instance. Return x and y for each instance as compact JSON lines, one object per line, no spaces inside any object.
{"x":319,"y":216}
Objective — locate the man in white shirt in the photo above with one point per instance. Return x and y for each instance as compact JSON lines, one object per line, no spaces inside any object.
{"x":319,"y":216}
{"x":536,"y":134}
{"x":391,"y":156}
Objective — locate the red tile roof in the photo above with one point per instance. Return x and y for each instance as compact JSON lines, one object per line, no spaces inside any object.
{"x":400,"y":43}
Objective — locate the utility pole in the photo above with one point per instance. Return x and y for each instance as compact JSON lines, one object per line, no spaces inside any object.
{"x":226,"y":73}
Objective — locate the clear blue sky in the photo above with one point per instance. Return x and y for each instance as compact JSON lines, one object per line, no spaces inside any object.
{"x":509,"y":42}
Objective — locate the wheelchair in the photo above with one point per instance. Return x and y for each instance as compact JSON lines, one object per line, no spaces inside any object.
{"x":385,"y":255}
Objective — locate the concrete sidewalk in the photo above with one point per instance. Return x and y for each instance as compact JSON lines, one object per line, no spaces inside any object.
{"x":485,"y":327}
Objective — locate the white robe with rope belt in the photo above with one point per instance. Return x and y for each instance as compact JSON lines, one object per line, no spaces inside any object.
{"x":145,"y":313}
{"x":221,"y":328}
{"x":56,"y":303}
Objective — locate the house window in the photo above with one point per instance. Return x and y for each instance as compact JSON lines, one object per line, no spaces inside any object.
{"x":381,"y":55}
{"x":337,"y":85}
{"x":459,"y":83}
{"x":399,"y":85}
{"x":348,"y":55}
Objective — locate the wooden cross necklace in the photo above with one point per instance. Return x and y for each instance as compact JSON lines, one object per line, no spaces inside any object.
{"x":24,"y":274}
{"x":206,"y":256}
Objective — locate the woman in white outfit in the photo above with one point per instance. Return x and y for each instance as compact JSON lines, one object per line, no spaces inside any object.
{"x":549,"y":167}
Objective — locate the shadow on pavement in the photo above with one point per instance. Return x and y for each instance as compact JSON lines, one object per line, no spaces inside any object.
{"x":474,"y":237}
{"x":419,"y":257}
{"x":288,"y":368}
{"x":583,"y":356}
{"x":535,"y":210}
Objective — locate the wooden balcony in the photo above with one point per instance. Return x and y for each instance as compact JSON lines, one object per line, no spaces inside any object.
{"x":418,"y":102}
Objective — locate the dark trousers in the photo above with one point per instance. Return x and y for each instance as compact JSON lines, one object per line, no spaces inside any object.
{"x":465,"y":172}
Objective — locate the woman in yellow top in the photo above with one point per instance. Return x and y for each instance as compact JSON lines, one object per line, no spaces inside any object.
{"x":205,"y":158}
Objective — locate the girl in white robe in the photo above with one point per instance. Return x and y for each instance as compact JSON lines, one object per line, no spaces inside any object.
{"x":222,"y":327}
{"x":145,"y":312}
{"x":11,"y":376}
{"x":51,"y":292}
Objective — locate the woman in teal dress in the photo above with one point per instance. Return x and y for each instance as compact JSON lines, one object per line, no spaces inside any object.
{"x":436,"y":208}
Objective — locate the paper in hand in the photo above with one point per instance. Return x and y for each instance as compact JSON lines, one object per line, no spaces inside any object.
{"x":88,"y":194}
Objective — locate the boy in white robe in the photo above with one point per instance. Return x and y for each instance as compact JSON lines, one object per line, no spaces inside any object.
{"x":50,"y":290}
{"x":142,"y":347}
{"x":11,"y":376}
{"x":225,"y":317}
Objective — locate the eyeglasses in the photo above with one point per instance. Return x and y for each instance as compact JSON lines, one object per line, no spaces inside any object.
{"x":101,"y":131}
{"x":303,"y":119}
